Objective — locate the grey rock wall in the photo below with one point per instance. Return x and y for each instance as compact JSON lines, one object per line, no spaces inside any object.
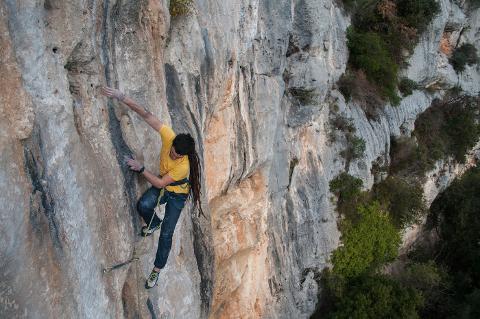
{"x":225,"y":73}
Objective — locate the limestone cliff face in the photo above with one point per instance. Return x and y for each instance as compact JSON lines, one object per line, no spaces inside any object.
{"x":223,"y":73}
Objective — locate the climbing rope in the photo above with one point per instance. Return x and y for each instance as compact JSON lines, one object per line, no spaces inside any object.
{"x":180,"y":183}
{"x":135,"y":257}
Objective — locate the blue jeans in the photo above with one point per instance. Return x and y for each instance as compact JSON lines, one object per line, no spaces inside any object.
{"x":174,"y":205}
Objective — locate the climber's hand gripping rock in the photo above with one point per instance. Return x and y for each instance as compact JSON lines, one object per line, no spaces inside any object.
{"x":133,"y":164}
{"x":113,"y":93}
{"x":146,"y":115}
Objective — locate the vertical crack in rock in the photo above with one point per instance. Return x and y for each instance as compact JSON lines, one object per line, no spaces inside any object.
{"x":241,"y":136}
{"x":131,"y":293}
{"x":183,"y":118}
{"x":459,"y":37}
{"x":40,"y":199}
{"x":204,"y":256}
{"x":129,"y":297}
{"x":9,"y":301}
{"x":250,"y":87}
{"x":292,"y":46}
{"x":119,"y":143}
{"x":207,"y":67}
{"x":196,"y":120}
{"x":52,"y":4}
{"x":291,"y":221}
{"x":79,"y":71}
{"x":242,"y":139}
{"x":151,"y":309}
{"x":293,"y":164}
{"x":198,"y":94}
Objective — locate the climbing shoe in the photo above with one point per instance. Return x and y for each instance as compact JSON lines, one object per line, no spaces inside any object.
{"x":147,"y":232}
{"x":152,"y":280}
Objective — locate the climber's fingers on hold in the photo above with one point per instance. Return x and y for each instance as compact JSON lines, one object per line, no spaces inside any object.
{"x":133,"y":164}
{"x":105,"y":90}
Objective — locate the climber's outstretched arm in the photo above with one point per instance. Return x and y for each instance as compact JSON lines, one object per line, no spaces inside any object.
{"x":140,"y":110}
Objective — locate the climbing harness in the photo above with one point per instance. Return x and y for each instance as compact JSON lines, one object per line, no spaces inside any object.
{"x":156,"y":210}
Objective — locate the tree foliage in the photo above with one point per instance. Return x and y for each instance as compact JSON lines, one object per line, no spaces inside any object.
{"x":382,"y":31}
{"x":377,"y":296}
{"x":406,"y":86}
{"x":463,"y":55}
{"x":457,"y":214}
{"x":348,"y":191}
{"x":368,"y":51}
{"x":418,"y":13}
{"x":404,"y":200}
{"x":408,"y":158}
{"x":449,"y":128}
{"x":180,"y":7}
{"x":366,"y":244}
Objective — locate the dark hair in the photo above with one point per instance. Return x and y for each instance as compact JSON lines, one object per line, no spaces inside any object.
{"x":184,"y":144}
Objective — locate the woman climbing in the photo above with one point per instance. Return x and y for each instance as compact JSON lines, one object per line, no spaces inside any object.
{"x":179,"y":179}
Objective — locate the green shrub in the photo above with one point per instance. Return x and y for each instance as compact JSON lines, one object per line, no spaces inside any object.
{"x":463,"y":55}
{"x":377,"y":296}
{"x":463,"y":131}
{"x":342,"y":123}
{"x":403,"y":200}
{"x":368,"y":243}
{"x":369,"y":53}
{"x":302,"y":95}
{"x":180,"y":7}
{"x":381,"y":31}
{"x":355,"y":148}
{"x":418,"y":13}
{"x":455,"y":91}
{"x":394,"y":99}
{"x":349,"y":5}
{"x":348,"y":191}
{"x":470,"y":308}
{"x":432,"y":282}
{"x":379,"y":169}
{"x":354,"y":85}
{"x":429,"y":132}
{"x":474,"y":4}
{"x":425,"y":277}
{"x":407,"y":86}
{"x":449,"y":128}
{"x":455,"y":215}
{"x":338,"y":122}
{"x":346,"y":85}
{"x":353,"y":5}
{"x":346,"y":187}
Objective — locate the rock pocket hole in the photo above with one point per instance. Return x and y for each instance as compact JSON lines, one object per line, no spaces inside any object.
{"x":55,"y":49}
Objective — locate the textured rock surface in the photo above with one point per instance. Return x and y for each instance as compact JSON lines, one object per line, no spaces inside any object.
{"x":224,"y":73}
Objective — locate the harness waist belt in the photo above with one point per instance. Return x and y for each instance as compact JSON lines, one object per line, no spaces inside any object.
{"x":180,"y":182}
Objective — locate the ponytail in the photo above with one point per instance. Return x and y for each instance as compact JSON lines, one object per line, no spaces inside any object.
{"x":184,"y":144}
{"x":195,"y":181}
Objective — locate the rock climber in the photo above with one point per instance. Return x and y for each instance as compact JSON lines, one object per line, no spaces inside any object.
{"x":179,"y":178}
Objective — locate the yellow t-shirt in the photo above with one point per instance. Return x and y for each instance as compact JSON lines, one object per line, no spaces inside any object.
{"x":177,"y":169}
